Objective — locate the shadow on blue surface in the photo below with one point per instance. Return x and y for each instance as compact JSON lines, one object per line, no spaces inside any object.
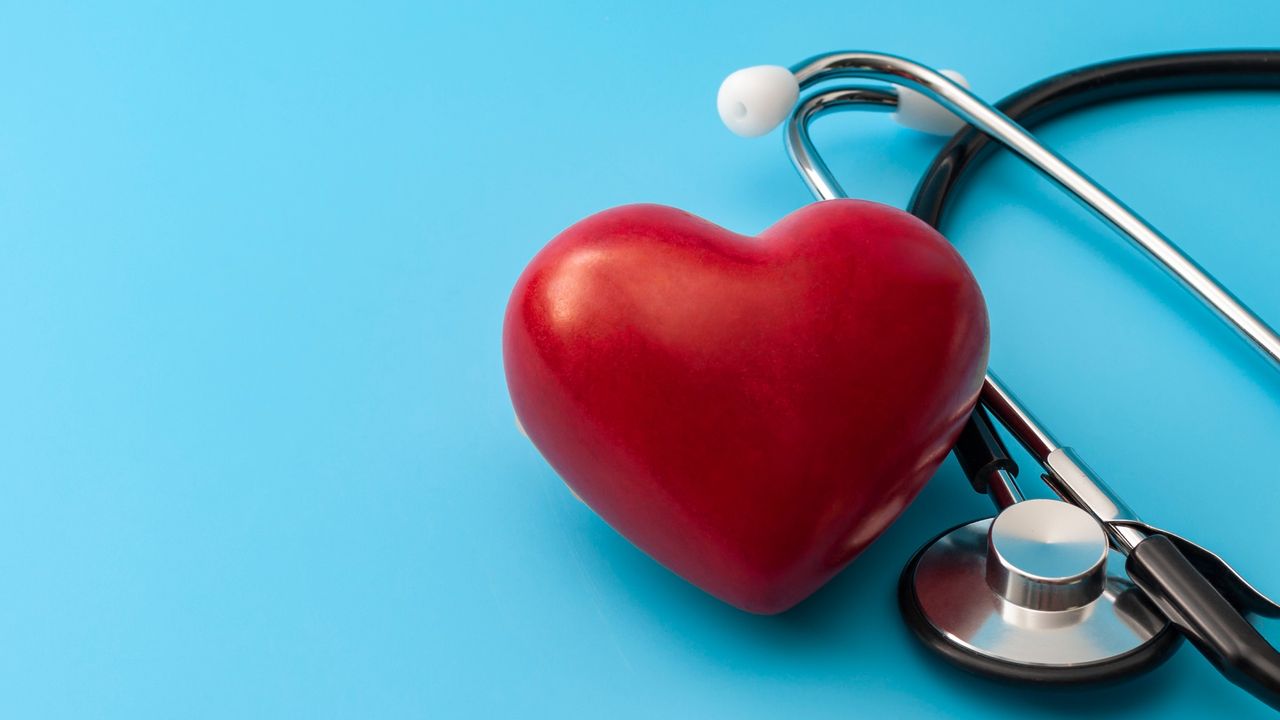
{"x":825,"y":636}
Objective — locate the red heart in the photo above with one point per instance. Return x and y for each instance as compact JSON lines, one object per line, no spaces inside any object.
{"x":751,"y":412}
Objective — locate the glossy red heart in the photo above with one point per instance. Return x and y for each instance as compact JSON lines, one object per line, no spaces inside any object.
{"x":751,"y":412}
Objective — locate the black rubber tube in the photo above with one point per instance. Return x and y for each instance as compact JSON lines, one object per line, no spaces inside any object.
{"x":1216,"y":628}
{"x":1088,"y":86}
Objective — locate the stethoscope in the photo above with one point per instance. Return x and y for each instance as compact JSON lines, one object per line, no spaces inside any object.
{"x":1048,"y":591}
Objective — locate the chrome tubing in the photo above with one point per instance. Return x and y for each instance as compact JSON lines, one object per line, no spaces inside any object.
{"x":808,"y":161}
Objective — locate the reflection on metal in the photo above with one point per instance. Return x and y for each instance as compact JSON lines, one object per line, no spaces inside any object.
{"x":952,"y":591}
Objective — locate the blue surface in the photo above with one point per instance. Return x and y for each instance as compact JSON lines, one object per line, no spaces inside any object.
{"x":256,"y":454}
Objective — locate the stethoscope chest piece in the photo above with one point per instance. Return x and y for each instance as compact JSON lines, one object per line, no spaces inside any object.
{"x":1033,"y":594}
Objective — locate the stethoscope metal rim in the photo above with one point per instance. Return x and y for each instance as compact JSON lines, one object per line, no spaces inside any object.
{"x":1106,"y":648}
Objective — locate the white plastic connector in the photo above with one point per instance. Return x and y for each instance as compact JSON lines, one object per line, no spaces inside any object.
{"x":921,"y":112}
{"x":755,"y":100}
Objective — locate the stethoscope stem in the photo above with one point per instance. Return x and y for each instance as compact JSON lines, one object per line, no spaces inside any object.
{"x":900,"y":71}
{"x":1003,"y":489}
{"x":1066,"y":473}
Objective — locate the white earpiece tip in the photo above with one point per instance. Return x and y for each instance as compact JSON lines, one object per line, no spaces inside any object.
{"x":755,"y":100}
{"x":921,"y":112}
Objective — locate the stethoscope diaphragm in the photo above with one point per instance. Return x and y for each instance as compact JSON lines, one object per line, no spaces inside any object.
{"x":1002,"y":598}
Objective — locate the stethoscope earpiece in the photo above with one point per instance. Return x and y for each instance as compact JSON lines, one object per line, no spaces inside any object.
{"x":755,"y":100}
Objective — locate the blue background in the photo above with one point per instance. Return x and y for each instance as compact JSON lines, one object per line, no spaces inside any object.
{"x":256,"y":453}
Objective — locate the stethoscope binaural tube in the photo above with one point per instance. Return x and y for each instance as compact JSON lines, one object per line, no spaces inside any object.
{"x":1176,"y":575}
